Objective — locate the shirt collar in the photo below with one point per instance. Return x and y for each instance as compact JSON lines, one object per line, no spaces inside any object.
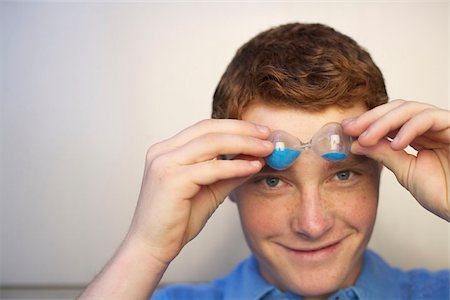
{"x":247,"y":282}
{"x":377,"y":280}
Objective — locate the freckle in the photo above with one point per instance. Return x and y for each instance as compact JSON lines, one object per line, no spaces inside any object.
{"x":290,"y":208}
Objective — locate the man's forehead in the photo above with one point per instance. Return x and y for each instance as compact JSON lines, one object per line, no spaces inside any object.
{"x":298,"y":122}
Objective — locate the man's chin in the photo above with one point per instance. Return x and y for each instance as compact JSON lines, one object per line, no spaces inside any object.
{"x":320,"y":290}
{"x":317,"y":280}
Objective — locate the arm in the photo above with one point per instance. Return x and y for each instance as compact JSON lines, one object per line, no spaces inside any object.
{"x":424,"y":127}
{"x":183,"y":185}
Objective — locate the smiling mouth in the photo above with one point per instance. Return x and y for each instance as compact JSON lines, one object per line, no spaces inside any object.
{"x":315,"y":253}
{"x":317,"y":249}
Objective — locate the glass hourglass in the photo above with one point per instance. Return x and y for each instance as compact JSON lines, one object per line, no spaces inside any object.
{"x":329,"y":142}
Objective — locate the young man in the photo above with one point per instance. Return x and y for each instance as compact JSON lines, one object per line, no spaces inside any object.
{"x":307,"y":226}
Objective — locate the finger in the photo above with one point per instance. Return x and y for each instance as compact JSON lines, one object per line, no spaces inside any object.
{"x":435,"y":120}
{"x":208,"y":201}
{"x":223,"y":175}
{"x":390,"y":121}
{"x":414,"y":174}
{"x":204,"y":207}
{"x":212,"y":171}
{"x":229,"y":126}
{"x":421,"y":143}
{"x":216,"y":191}
{"x":211,"y":145}
{"x":185,"y":182}
{"x":356,"y":126}
{"x":395,"y":160}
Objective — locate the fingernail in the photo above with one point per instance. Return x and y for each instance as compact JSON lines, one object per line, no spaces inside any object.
{"x":263,"y":129}
{"x":396,"y":143}
{"x":364,"y":133}
{"x":256,"y":163}
{"x":348,"y":122}
{"x":356,"y":149}
{"x":267,"y":144}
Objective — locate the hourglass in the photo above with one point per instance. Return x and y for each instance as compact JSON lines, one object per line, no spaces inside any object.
{"x":329,"y":142}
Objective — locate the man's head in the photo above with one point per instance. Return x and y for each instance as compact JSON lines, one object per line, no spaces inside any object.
{"x":307,"y":66}
{"x":309,"y":225}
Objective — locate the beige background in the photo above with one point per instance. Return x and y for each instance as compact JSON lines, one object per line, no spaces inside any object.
{"x":86,"y":88}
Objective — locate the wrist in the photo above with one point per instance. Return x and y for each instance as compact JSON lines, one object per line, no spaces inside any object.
{"x":133,"y":273}
{"x":139,"y":251}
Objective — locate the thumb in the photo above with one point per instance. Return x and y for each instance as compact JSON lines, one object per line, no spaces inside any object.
{"x":227,"y":187}
{"x":203,"y":210}
{"x":398,"y":161}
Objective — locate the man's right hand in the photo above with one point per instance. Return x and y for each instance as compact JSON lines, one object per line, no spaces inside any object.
{"x":183,"y":185}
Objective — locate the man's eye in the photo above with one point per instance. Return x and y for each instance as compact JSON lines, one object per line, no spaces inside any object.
{"x":272,"y":181}
{"x":343,"y":175}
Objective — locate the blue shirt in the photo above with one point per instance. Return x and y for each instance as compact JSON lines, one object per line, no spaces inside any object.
{"x":377,"y":281}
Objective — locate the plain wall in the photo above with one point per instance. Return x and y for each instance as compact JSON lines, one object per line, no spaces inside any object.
{"x":86,"y":88}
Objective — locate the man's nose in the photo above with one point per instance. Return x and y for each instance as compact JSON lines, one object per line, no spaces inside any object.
{"x":311,"y":218}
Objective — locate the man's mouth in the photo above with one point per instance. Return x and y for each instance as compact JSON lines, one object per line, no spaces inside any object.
{"x":315,"y":253}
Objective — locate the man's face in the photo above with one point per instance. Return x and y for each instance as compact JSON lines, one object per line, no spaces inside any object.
{"x":309,"y":225}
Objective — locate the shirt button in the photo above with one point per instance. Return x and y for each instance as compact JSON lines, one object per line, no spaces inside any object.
{"x":351,"y":294}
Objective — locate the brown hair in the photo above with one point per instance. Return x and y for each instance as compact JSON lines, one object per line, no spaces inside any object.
{"x":309,"y":66}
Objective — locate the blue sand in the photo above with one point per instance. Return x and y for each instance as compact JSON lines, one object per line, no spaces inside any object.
{"x":335,"y":155}
{"x":282,"y":159}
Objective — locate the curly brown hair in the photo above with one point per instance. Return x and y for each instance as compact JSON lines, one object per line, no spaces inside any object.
{"x":307,"y":66}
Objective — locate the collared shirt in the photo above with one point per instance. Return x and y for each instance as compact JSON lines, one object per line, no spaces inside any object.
{"x":377,"y":281}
